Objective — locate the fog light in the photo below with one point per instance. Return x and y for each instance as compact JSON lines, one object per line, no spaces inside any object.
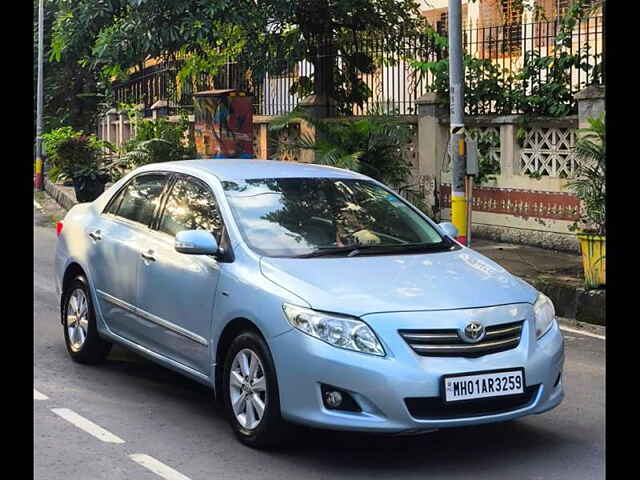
{"x":333,"y":399}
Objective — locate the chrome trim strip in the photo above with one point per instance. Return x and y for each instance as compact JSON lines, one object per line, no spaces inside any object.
{"x":504,"y":331}
{"x":154,"y":319}
{"x":430,"y":336}
{"x":464,"y":348}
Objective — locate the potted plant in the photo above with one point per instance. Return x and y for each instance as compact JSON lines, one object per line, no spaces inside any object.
{"x":589,"y":187}
{"x":76,"y":156}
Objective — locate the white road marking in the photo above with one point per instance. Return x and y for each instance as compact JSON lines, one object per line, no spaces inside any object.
{"x":582,"y":332}
{"x":39,"y":396}
{"x":87,"y":425}
{"x":37,"y":205}
{"x":157,"y":467}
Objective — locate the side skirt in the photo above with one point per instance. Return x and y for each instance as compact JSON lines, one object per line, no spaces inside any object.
{"x":158,"y":358}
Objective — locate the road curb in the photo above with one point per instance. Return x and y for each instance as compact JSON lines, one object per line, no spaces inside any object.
{"x":585,"y":306}
{"x":65,"y":200}
{"x":587,"y":328}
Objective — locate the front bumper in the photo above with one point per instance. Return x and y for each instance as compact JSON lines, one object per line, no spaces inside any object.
{"x":380,"y":385}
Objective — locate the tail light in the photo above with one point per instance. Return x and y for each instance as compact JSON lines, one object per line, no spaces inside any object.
{"x":59,"y":226}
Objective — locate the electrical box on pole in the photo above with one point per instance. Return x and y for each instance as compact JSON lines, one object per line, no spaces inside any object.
{"x":472,"y":157}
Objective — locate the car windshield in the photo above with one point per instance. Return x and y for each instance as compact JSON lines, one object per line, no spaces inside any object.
{"x":294,"y":217}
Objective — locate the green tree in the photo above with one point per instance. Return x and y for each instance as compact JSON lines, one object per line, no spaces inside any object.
{"x":113,"y":36}
{"x":72,"y":94}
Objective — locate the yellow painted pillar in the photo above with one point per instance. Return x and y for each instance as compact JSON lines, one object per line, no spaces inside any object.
{"x":459,"y":212}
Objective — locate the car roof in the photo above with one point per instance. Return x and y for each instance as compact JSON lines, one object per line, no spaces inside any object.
{"x":243,"y":169}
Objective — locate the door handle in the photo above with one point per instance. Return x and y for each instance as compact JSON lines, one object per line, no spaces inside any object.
{"x":148,"y":255}
{"x":96,"y":235}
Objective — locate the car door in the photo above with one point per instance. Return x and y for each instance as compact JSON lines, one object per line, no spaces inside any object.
{"x":176,"y":290}
{"x":117,"y":238}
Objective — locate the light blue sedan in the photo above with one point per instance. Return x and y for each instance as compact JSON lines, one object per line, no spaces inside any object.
{"x":304,"y":294}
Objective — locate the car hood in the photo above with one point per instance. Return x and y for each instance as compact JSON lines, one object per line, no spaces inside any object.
{"x":390,"y":283}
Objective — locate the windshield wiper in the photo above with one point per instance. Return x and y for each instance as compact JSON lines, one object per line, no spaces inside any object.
{"x":353,"y":250}
{"x":324,"y":251}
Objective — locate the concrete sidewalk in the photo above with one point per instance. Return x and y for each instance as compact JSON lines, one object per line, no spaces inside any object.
{"x":533,"y":263}
{"x":558,"y":274}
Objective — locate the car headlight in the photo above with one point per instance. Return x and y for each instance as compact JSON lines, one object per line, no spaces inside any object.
{"x":336,"y":330}
{"x":545,"y":314}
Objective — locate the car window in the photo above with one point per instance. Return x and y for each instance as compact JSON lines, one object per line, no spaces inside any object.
{"x":297,"y":216}
{"x":141,"y":197}
{"x":191,"y":206}
{"x":113,"y":205}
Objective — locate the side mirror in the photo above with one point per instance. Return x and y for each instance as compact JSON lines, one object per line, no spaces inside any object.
{"x":196,"y":242}
{"x":449,"y":229}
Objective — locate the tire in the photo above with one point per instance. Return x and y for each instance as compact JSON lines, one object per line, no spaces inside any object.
{"x":270,"y":430}
{"x":81,"y":335}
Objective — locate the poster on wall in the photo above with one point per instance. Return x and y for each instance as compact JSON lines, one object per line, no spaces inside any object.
{"x":223,"y":124}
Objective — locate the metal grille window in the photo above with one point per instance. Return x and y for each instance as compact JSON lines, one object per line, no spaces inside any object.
{"x":512,"y":28}
{"x":447,"y":343}
{"x":562,"y":6}
{"x":442,"y":25}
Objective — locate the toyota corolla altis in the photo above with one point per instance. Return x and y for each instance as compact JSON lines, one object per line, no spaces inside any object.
{"x":304,"y":294}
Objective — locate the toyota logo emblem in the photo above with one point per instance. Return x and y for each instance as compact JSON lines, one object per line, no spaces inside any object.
{"x":473,"y":332}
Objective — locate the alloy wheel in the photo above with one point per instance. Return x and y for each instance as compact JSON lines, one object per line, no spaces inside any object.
{"x":77,"y":319}
{"x":248,"y":389}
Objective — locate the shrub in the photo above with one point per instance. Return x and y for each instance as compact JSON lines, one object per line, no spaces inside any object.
{"x":372,"y":145}
{"x":589,"y":184}
{"x":156,"y":141}
{"x":72,"y":153}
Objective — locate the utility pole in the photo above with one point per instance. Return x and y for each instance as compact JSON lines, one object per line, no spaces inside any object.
{"x":456,"y":89}
{"x":39,"y":184}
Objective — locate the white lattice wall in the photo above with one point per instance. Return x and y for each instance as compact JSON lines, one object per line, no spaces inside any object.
{"x":476,"y":132}
{"x":494,"y":150}
{"x":548,"y":151}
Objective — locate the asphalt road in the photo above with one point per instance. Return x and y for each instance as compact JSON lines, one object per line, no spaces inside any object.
{"x":174,"y":423}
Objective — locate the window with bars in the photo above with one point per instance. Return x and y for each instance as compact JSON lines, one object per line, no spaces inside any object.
{"x":502,"y":36}
{"x":561,"y":6}
{"x":512,"y":29}
{"x":442,"y":25}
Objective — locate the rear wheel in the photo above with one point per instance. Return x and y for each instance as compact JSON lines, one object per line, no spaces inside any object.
{"x":79,"y":322}
{"x":251,"y":393}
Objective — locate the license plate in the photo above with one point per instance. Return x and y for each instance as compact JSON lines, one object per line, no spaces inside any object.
{"x":483,"y":385}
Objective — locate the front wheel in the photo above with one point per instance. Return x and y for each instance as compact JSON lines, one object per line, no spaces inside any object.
{"x":251,"y":393}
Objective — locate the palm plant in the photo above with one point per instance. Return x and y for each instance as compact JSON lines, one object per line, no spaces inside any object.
{"x":141,"y":153}
{"x":372,"y":145}
{"x":589,"y":183}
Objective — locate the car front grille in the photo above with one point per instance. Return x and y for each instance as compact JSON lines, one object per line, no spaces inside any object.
{"x":447,"y":343}
{"x":434,"y":408}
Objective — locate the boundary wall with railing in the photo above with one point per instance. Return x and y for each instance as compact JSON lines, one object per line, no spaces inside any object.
{"x":526,"y":202}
